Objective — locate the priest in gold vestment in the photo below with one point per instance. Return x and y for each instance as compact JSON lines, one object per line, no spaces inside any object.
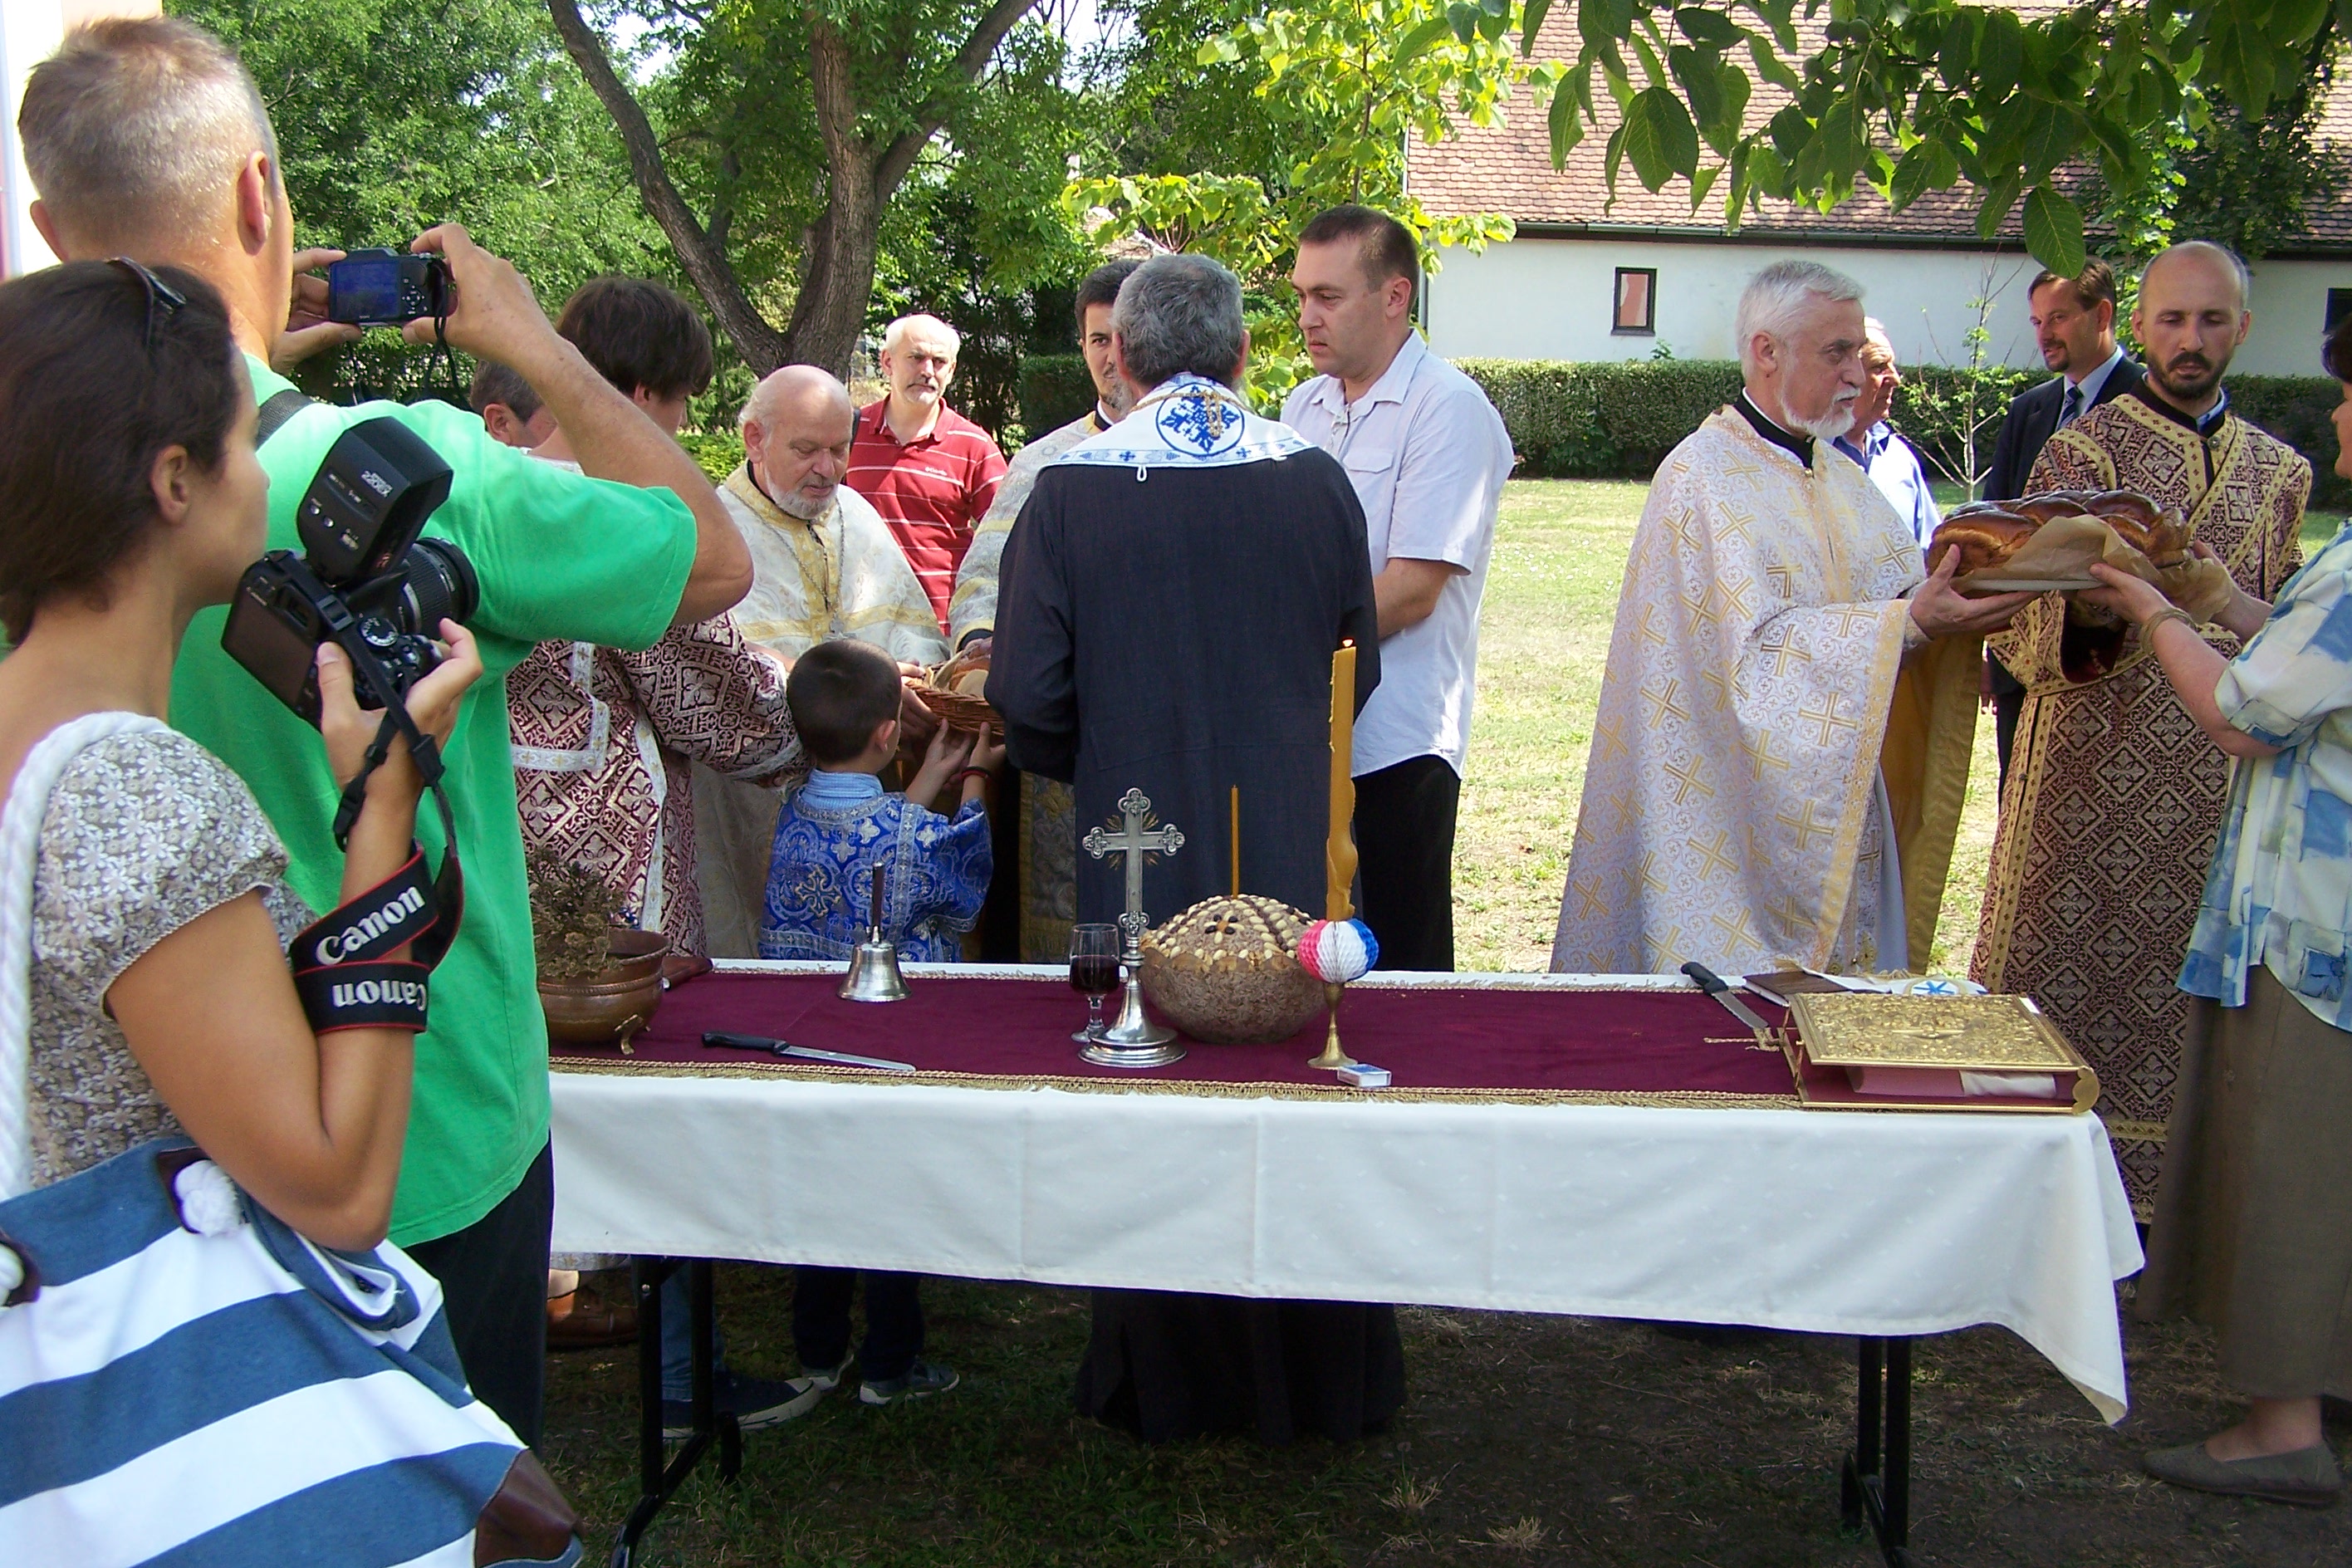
{"x":2114,"y":796}
{"x":1782,"y":743}
{"x":824,"y":565}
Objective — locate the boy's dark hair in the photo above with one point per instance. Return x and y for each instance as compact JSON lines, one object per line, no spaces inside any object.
{"x":638,"y":334}
{"x":2096,"y":282}
{"x":98,"y":373}
{"x":1100,"y":287}
{"x":838,"y":691}
{"x":1387,"y":246}
{"x":495,"y":383}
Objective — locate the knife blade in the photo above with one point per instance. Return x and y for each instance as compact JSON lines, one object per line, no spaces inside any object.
{"x":1708,"y":981}
{"x":718,"y":1041}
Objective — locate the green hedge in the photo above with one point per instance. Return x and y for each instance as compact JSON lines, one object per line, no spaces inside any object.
{"x":1604,"y":420}
{"x":1054,"y":390}
{"x":719,"y":451}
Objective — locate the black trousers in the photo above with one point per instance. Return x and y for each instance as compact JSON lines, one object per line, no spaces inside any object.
{"x":493,"y":1279}
{"x":2008,"y":703}
{"x":1404,"y":848}
{"x":894,"y":1320}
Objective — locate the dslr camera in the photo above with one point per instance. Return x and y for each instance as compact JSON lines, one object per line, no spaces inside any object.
{"x":380,"y":288}
{"x":365,"y":578}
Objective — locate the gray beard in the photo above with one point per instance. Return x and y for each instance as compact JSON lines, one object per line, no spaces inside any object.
{"x":1832,"y":427}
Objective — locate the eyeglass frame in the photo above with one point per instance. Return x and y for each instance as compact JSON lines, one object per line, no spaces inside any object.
{"x":163,"y":302}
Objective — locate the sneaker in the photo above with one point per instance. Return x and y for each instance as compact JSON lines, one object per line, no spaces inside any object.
{"x":756,"y":1403}
{"x":920,"y":1379}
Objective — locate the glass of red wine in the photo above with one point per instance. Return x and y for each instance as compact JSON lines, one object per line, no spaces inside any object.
{"x":1093,"y":971}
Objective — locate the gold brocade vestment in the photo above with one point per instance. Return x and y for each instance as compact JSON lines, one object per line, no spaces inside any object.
{"x":1730,"y":813}
{"x":2115,"y":796}
{"x":838,"y":574}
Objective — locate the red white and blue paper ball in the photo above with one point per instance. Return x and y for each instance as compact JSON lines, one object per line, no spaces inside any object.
{"x":1336,"y":952}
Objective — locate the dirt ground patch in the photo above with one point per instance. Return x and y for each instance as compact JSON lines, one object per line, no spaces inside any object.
{"x":1525,"y":1440}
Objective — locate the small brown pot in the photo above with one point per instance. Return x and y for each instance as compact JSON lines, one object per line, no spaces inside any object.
{"x":611,"y":1008}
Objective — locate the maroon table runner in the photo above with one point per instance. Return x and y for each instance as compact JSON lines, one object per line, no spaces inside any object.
{"x":1470,"y":1039}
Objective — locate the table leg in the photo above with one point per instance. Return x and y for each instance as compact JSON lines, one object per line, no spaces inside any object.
{"x":657,"y":1483}
{"x":1875,"y":1484}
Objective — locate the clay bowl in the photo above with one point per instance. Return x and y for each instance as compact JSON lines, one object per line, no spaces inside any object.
{"x":608,"y":1009}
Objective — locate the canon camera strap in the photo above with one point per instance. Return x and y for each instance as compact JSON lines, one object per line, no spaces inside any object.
{"x":341,"y":972}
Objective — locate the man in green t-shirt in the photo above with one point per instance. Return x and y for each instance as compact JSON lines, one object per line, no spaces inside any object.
{"x":146,"y":138}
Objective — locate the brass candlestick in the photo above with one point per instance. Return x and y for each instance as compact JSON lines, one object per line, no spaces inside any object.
{"x":1333,"y":1057}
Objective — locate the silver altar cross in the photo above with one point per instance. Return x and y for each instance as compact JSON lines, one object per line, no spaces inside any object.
{"x":1134,"y":1040}
{"x":1132,"y":841}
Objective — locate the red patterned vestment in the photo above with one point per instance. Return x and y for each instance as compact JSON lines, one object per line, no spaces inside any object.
{"x":603,"y":741}
{"x":2115,"y":796}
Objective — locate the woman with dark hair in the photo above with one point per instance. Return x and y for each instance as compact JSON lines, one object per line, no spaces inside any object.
{"x":159,"y":997}
{"x":2253,"y":1216}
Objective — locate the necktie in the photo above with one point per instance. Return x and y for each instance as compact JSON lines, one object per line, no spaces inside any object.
{"x":2067,"y":414}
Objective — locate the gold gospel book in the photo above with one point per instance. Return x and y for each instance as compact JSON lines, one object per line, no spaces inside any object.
{"x":1861,"y":1051}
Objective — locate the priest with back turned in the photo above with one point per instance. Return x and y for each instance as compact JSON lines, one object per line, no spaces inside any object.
{"x":1171,"y":595}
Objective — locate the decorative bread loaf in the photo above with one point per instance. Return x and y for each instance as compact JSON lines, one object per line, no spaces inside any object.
{"x":1987,"y":533}
{"x":1224,"y":971}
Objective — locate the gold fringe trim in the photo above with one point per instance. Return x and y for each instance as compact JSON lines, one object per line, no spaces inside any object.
{"x":1702,"y":1099}
{"x":2135,"y":1132}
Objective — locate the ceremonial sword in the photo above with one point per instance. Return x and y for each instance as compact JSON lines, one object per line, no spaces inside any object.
{"x":1714,"y":984}
{"x":715,"y":1039}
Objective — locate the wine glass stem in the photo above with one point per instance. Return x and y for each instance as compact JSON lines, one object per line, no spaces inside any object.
{"x":1094,"y":1014}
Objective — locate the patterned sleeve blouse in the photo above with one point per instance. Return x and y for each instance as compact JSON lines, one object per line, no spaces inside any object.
{"x":143,"y":833}
{"x":2279,"y":894}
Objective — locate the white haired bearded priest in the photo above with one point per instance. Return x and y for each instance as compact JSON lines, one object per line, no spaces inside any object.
{"x":1783,"y":744}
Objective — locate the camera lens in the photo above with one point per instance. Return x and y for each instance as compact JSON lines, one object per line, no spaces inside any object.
{"x":436,"y":582}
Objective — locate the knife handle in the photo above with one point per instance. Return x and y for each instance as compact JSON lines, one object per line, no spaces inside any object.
{"x":1706,"y":979}
{"x":717,"y":1040}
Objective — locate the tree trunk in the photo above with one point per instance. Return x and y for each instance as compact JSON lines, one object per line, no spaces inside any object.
{"x":703,"y":258}
{"x":837,"y":264}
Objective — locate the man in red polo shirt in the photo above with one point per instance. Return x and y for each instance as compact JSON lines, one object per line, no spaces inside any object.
{"x":929,"y":470}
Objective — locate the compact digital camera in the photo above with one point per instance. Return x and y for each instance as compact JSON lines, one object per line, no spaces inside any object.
{"x":365,"y":579}
{"x":380,"y":288}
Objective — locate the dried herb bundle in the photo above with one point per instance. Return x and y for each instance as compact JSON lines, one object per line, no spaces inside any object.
{"x":572,"y":919}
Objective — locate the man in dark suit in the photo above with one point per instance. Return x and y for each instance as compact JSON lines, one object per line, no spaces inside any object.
{"x":2074,"y":321}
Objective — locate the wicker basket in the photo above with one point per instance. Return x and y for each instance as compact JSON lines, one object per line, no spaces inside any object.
{"x":957,"y":710}
{"x":1224,"y":972}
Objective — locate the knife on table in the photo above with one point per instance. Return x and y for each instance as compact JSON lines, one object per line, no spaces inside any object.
{"x":719,"y":1041}
{"x":1708,"y":981}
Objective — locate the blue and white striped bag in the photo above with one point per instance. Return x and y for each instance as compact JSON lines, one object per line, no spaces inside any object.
{"x":185,"y":1380}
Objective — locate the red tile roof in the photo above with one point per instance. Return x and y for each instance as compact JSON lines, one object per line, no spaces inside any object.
{"x":1507,"y":169}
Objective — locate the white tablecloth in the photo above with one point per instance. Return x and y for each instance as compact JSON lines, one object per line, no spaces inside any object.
{"x":1866,"y":1223}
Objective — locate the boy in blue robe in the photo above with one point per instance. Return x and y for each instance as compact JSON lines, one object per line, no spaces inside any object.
{"x":842,"y":823}
{"x":833,"y":832}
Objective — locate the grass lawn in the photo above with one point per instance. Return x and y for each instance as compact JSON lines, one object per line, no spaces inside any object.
{"x":1525,"y":1440}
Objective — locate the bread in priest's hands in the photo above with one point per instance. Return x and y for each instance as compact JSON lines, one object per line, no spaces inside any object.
{"x":1225,"y":971}
{"x":2163,"y":538}
{"x":2040,"y":508}
{"x":1985,"y":535}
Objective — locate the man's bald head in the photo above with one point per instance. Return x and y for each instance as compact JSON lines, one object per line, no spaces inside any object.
{"x":797,"y":425}
{"x":2190,"y":317}
{"x":2200,"y":260}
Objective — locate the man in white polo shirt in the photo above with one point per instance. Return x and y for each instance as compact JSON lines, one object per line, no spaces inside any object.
{"x":1428,"y":455}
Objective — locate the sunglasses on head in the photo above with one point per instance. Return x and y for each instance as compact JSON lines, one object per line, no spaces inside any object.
{"x":163,"y":302}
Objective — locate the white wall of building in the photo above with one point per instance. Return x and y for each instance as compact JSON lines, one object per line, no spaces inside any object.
{"x":2290,"y":304}
{"x":1552,"y":298}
